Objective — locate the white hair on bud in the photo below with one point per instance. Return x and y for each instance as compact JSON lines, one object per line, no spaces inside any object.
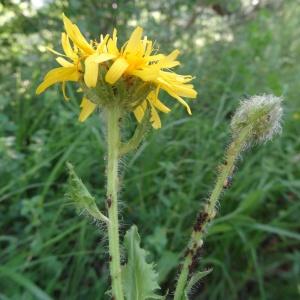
{"x":262,"y":114}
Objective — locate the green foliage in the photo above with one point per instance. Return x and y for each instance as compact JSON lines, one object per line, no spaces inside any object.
{"x":139,"y":277}
{"x":25,"y":282}
{"x":253,"y":246}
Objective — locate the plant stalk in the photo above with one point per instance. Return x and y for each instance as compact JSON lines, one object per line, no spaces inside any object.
{"x":208,"y":212}
{"x":113,"y":142}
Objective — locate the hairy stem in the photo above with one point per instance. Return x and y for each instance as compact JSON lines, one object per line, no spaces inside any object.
{"x":113,"y":141}
{"x":208,"y":212}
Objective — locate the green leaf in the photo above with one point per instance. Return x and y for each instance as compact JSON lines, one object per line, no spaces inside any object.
{"x":24,"y":282}
{"x":79,"y":194}
{"x":139,"y":277}
{"x":195,"y":278}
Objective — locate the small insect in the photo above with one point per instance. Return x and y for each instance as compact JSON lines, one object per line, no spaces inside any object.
{"x":201,"y":220}
{"x":228,"y":182}
{"x":109,"y":201}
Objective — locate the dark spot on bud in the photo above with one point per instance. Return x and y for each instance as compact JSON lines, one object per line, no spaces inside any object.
{"x":110,"y":258}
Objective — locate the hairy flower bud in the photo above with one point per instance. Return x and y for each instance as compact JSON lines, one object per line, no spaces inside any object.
{"x":261,"y":114}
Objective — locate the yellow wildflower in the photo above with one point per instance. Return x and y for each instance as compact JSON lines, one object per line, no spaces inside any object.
{"x":123,"y":70}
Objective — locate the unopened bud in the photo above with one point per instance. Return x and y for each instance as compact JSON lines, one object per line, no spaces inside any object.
{"x":261,"y":115}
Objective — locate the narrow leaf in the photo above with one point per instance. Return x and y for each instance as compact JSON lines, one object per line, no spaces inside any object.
{"x":195,"y":279}
{"x":23,"y":281}
{"x":79,"y":194}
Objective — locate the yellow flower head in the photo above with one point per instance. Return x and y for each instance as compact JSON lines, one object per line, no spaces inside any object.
{"x":133,"y":75}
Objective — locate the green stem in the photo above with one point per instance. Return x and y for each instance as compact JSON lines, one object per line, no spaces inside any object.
{"x":113,"y":141}
{"x":208,"y":212}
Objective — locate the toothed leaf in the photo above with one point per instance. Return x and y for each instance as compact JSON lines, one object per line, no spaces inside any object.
{"x":139,"y":277}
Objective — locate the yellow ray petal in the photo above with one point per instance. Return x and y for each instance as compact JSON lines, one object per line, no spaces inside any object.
{"x":61,"y":71}
{"x":65,"y":42}
{"x":54,"y":52}
{"x":160,"y":106}
{"x":169,"y":60}
{"x":171,"y":93}
{"x":116,"y":70}
{"x":104,"y":57}
{"x":155,"y":57}
{"x":92,"y":67}
{"x":91,"y":71}
{"x":112,"y":47}
{"x":115,"y":34}
{"x":148,"y":48}
{"x":57,"y":75}
{"x":153,"y":98}
{"x":174,"y":83}
{"x":147,"y":74}
{"x":101,"y":46}
{"x":76,"y":36}
{"x":63,"y":62}
{"x":154,"y":118}
{"x":182,"y":90}
{"x":134,"y":40}
{"x":139,"y":112}
{"x":173,"y":55}
{"x":87,"y":107}
{"x":63,"y":86}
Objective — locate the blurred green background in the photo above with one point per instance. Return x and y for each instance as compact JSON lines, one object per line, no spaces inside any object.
{"x":234,"y":49}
